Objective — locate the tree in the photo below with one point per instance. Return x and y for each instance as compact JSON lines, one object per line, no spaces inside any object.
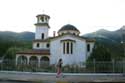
{"x":11,"y":53}
{"x":100,"y":59}
{"x":100,"y":53}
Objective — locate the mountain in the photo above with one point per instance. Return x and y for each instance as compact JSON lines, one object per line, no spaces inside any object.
{"x":23,"y":36}
{"x":113,"y":36}
{"x":10,"y":40}
{"x":110,"y":39}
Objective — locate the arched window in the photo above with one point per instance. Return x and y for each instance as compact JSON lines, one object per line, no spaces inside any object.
{"x":88,"y":47}
{"x":74,"y":34}
{"x":67,"y":47}
{"x":42,"y":36}
{"x":46,"y":18}
{"x":42,"y":19}
{"x":71,"y":48}
{"x":37,"y":45}
{"x":47,"y":45}
{"x":64,"y":48}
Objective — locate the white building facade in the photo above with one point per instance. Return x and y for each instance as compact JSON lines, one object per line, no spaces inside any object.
{"x":68,"y":45}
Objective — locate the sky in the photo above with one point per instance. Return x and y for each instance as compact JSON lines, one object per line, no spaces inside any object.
{"x":86,"y":15}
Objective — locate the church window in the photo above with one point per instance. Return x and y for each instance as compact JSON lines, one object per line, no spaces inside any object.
{"x":37,"y":45}
{"x":42,"y":19}
{"x":74,"y":34}
{"x":42,"y":36}
{"x":47,"y":45}
{"x":64,"y":48}
{"x":46,"y":18}
{"x":71,"y":48}
{"x":67,"y":47}
{"x":88,"y":47}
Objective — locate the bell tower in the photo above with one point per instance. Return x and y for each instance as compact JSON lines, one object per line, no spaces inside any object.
{"x":42,"y":26}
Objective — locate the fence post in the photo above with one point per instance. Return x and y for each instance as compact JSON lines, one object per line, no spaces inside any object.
{"x":113,"y":65}
{"x":0,"y":66}
{"x":94,"y":65}
{"x":123,"y":63}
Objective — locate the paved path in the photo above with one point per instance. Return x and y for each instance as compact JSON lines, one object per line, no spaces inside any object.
{"x":68,"y":77}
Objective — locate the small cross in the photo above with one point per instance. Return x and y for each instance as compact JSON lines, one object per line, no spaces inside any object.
{"x":43,"y":11}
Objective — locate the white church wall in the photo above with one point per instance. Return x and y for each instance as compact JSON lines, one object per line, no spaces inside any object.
{"x":40,"y":30}
{"x":79,"y":51}
{"x":55,"y":52}
{"x":42,"y":45}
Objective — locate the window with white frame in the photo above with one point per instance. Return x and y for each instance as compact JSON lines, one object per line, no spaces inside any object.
{"x":67,"y":47}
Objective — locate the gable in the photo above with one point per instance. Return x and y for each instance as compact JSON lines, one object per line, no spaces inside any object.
{"x":68,"y":37}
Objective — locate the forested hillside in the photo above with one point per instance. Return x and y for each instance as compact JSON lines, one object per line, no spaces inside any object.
{"x":111,"y":40}
{"x":9,"y":40}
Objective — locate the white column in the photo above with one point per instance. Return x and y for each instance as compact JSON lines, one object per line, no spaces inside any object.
{"x":65,"y":47}
{"x":16,"y":59}
{"x":39,"y":57}
{"x":44,"y":19}
{"x":28,"y":59}
{"x":69,"y":47}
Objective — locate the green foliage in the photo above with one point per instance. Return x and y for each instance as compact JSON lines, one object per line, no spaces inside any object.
{"x":4,"y":45}
{"x":9,"y":48}
{"x":100,"y":59}
{"x":11,"y":39}
{"x":19,"y":46}
{"x":11,"y":52}
{"x":111,"y":40}
{"x":100,"y":53}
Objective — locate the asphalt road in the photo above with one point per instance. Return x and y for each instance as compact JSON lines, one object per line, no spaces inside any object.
{"x":68,"y":77}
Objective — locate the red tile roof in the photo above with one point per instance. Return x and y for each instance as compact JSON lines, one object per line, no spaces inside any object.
{"x":40,"y":52}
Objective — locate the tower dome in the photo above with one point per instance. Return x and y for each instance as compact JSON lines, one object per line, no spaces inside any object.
{"x":42,"y":19}
{"x":68,"y":29}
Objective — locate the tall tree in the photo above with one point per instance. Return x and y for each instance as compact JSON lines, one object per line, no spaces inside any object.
{"x":100,"y":59}
{"x":100,"y":53}
{"x":11,"y":53}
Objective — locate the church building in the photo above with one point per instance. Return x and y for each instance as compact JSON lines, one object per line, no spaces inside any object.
{"x":68,"y":45}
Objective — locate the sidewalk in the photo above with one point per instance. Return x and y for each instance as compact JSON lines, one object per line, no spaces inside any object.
{"x":68,"y":77}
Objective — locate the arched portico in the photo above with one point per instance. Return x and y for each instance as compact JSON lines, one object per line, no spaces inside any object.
{"x":44,"y":60}
{"x":33,"y":60}
{"x":22,"y":60}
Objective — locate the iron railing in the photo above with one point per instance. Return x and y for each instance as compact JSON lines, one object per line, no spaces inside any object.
{"x":88,"y":67}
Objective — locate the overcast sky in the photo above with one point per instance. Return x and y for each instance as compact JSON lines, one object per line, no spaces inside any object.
{"x":86,"y":15}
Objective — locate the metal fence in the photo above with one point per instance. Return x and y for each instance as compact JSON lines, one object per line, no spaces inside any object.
{"x":88,"y":67}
